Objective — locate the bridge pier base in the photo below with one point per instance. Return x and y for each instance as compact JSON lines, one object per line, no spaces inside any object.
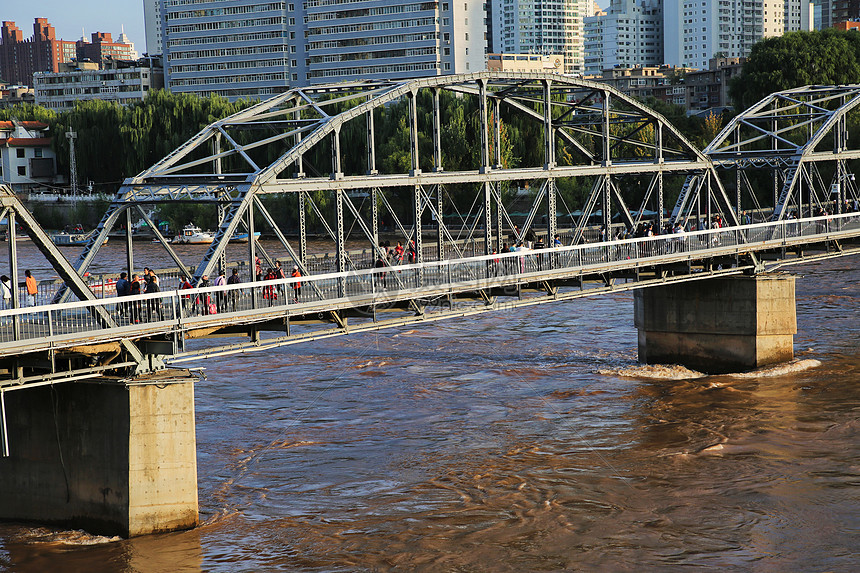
{"x":718,"y":325}
{"x":109,"y":457}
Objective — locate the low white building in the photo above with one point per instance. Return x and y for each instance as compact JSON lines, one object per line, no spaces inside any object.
{"x":123,"y":81}
{"x":27,"y":161}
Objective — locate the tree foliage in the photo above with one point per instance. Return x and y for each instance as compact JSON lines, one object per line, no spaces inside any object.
{"x":821,"y":57}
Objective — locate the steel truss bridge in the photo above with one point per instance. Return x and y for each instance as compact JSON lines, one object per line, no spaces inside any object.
{"x":629,"y":157}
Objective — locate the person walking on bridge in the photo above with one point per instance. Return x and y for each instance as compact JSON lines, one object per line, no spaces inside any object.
{"x":234,"y":293}
{"x":32,"y":288}
{"x":297,"y":286}
{"x":135,"y":306}
{"x":7,"y":292}
{"x":122,"y":285}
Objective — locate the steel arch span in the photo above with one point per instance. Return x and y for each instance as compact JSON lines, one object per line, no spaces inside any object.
{"x":802,"y":136}
{"x":323,"y":142}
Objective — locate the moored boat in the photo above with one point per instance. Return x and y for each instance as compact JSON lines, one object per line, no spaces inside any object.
{"x":73,"y":239}
{"x":243,"y":237}
{"x":191,"y":234}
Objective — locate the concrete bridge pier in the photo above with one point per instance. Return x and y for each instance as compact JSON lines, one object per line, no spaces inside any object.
{"x":718,"y":325}
{"x":113,"y":458}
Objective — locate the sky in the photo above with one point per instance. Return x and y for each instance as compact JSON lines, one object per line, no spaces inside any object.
{"x":68,"y":17}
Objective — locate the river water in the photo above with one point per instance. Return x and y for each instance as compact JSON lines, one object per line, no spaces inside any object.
{"x":528,"y":440}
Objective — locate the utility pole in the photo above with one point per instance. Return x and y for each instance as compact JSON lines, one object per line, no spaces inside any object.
{"x":73,"y":168}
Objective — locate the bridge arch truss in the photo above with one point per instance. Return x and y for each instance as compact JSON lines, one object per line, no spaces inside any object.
{"x":802,"y":137}
{"x":319,"y":146}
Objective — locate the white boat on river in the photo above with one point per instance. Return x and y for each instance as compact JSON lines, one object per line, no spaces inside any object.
{"x":192,"y":235}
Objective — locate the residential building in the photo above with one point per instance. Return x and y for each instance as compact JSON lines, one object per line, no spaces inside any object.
{"x":629,"y":34}
{"x":103,"y":47}
{"x":20,"y":58}
{"x":27,"y":161}
{"x":349,"y":40}
{"x":525,"y":63}
{"x":848,"y":25}
{"x":13,"y":95}
{"x":152,"y":26}
{"x":122,"y":81}
{"x":640,"y":82}
{"x":843,"y":11}
{"x":709,"y":89}
{"x":593,"y":42}
{"x":544,"y":27}
{"x":254,"y":49}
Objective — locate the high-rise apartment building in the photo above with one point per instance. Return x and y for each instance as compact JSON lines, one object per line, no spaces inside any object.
{"x":152,"y":26}
{"x":695,"y":31}
{"x":542,"y":27}
{"x":20,"y":58}
{"x":841,"y":11}
{"x":255,"y":48}
{"x":629,"y":34}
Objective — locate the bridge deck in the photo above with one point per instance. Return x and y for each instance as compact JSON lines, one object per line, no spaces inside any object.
{"x":178,"y":316}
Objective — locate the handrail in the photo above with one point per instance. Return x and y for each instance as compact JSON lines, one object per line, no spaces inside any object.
{"x":140,"y":314}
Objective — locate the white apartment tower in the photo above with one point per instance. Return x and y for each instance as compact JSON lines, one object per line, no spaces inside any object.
{"x":152,"y":26}
{"x":546,"y":27}
{"x":257,"y":48}
{"x":629,"y":35}
{"x":696,"y":30}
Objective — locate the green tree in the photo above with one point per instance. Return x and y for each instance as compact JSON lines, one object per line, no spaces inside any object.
{"x":821,"y":57}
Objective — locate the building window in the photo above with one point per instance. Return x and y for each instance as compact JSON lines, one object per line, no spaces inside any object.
{"x":22,"y":171}
{"x":37,"y":152}
{"x":20,"y":153}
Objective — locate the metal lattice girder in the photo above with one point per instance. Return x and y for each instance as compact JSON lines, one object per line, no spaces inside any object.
{"x":786,"y":131}
{"x":303,"y":118}
{"x":266,"y":149}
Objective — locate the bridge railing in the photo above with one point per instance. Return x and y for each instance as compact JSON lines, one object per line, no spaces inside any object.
{"x":113,"y":318}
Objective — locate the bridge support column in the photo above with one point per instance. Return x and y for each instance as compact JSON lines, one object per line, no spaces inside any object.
{"x":108,"y":457}
{"x":718,"y":325}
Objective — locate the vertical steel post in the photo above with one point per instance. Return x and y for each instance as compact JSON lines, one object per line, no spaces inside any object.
{"x":413,"y":132}
{"x":300,"y":166}
{"x":336,"y":165}
{"x":551,"y":213}
{"x":416,"y":202}
{"x":606,"y":202}
{"x":499,"y":219}
{"x":303,"y":228}
{"x":374,"y":215}
{"x":5,"y":452}
{"x":222,"y":259}
{"x":437,"y":132}
{"x":13,"y":259}
{"x":440,"y":237}
{"x":216,"y":149}
{"x":371,"y":145}
{"x":485,"y":167}
{"x":13,"y":270}
{"x":339,"y":232}
{"x":497,"y":129}
{"x":548,"y":136}
{"x":129,"y":243}
{"x":252,"y":253}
